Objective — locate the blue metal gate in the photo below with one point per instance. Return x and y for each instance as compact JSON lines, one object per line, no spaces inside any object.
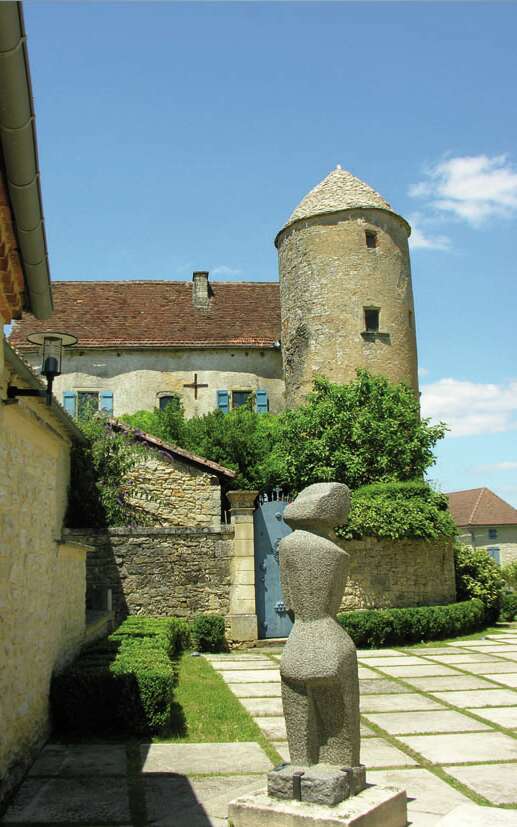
{"x":269,"y":527}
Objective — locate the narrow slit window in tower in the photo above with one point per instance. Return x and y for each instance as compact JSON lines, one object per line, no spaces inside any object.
{"x":371,"y":239}
{"x":371,"y":319}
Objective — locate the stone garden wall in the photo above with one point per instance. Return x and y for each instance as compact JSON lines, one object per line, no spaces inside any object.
{"x":159,"y":571}
{"x":169,"y":492}
{"x":396,"y":573}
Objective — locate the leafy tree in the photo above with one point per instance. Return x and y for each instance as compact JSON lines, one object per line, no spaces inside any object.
{"x":477,"y":575}
{"x":241,"y":440}
{"x":367,"y":431}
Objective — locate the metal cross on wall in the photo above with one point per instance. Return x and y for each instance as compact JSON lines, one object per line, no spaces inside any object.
{"x":195,"y":384}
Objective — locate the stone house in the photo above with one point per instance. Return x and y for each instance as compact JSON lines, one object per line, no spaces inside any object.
{"x":42,"y":576}
{"x":344,"y":301}
{"x":485,"y":520}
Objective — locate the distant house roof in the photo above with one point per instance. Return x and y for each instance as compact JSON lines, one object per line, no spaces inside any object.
{"x":172,"y":451}
{"x":480,"y":506}
{"x":142,"y":314}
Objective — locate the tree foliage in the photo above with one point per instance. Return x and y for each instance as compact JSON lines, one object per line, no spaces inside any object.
{"x":398,"y":510}
{"x":477,"y":575}
{"x":367,"y":431}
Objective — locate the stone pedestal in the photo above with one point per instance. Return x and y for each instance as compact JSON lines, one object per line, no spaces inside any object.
{"x":373,"y":807}
{"x":242,"y":615}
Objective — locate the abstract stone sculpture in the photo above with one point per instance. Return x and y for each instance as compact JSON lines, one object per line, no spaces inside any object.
{"x":320,"y":686}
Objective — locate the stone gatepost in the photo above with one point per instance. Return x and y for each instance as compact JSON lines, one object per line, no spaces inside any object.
{"x":243,"y":613}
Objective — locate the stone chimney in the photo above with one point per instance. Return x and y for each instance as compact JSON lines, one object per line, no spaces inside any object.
{"x":200,"y":292}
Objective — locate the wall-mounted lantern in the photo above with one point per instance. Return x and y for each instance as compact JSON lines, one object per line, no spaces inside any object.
{"x":53,"y":344}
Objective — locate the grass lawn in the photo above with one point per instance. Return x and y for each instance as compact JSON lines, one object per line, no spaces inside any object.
{"x":488,"y":630}
{"x":211,"y":711}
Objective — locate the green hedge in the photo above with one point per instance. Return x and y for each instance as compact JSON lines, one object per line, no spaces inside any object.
{"x":383,"y":627}
{"x":478,"y":576}
{"x":122,"y":685}
{"x":398,"y":510}
{"x":509,"y":607}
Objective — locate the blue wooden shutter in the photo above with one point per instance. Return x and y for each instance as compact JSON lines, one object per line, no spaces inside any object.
{"x":69,"y":402}
{"x":106,"y":401}
{"x":223,"y":401}
{"x":261,"y":401}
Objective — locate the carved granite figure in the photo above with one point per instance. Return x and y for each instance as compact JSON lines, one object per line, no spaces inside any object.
{"x":320,"y":687}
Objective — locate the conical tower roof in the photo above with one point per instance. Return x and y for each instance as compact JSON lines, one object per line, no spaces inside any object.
{"x":340,"y":190}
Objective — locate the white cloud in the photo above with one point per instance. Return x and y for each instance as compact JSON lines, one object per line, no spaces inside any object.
{"x":423,"y":372}
{"x":471,"y":408}
{"x":473,"y":188}
{"x":418,"y":239}
{"x":497,"y":466}
{"x":224,"y":270}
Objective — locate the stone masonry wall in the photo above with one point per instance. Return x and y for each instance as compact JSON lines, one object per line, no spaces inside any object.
{"x":42,"y":582}
{"x":169,"y":492}
{"x":160,"y":571}
{"x":396,"y":573}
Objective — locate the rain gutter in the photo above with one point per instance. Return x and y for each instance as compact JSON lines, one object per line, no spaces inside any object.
{"x":19,"y":157}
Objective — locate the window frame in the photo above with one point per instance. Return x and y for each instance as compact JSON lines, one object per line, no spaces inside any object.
{"x":249,"y":391}
{"x":167,"y":395}
{"x":492,"y":533}
{"x":371,"y":309}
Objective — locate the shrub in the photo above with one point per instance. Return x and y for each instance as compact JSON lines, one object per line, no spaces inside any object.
{"x":208,"y":633}
{"x":179,"y":636}
{"x":509,"y":607}
{"x":123,"y":684}
{"x":398,"y":510}
{"x":477,"y":575}
{"x":509,"y":575}
{"x":382,"y":627}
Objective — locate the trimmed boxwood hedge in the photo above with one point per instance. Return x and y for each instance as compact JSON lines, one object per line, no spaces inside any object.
{"x":122,"y":685}
{"x":383,"y":627}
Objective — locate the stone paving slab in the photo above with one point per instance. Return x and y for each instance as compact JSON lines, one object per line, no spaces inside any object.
{"x":475,"y":657}
{"x":404,"y":702}
{"x":200,"y":759}
{"x":485,"y":697}
{"x":505,"y":716}
{"x":471,"y":815}
{"x":222,"y":666}
{"x":256,"y":690}
{"x":490,"y":668}
{"x":273,"y":727}
{"x":382,"y":686}
{"x":364,"y":672}
{"x":376,"y":752}
{"x":500,"y":649}
{"x":90,"y":799}
{"x":434,"y":684}
{"x":263,"y":706}
{"x":474,"y":644}
{"x":419,"y":671}
{"x":402,"y":660}
{"x":251,"y":675}
{"x":496,"y":782}
{"x":426,"y":793}
{"x":377,"y":653}
{"x":445,"y":720}
{"x":434,"y":650}
{"x":177,"y":801}
{"x":80,"y":759}
{"x":510,"y":656}
{"x":457,"y":748}
{"x":508,"y":680}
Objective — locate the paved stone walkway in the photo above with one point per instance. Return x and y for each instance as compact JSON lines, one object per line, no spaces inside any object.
{"x":441,"y":722}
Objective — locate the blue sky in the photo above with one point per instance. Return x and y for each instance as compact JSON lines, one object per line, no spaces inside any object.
{"x":180,"y":136}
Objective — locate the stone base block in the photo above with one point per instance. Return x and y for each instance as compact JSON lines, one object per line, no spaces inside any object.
{"x":243,"y":627}
{"x":318,"y":784}
{"x":374,"y":807}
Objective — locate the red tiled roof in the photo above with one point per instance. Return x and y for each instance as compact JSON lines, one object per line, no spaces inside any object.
{"x":159,"y":314}
{"x":172,"y":450}
{"x":480,"y":506}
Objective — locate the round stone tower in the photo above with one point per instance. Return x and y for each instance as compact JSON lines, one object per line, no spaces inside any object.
{"x":345,"y":288}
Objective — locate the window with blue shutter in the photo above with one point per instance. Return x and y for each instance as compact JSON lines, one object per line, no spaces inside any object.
{"x":261,"y":401}
{"x":223,"y":401}
{"x":495,"y":554}
{"x":106,"y":402}
{"x":69,"y":402}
